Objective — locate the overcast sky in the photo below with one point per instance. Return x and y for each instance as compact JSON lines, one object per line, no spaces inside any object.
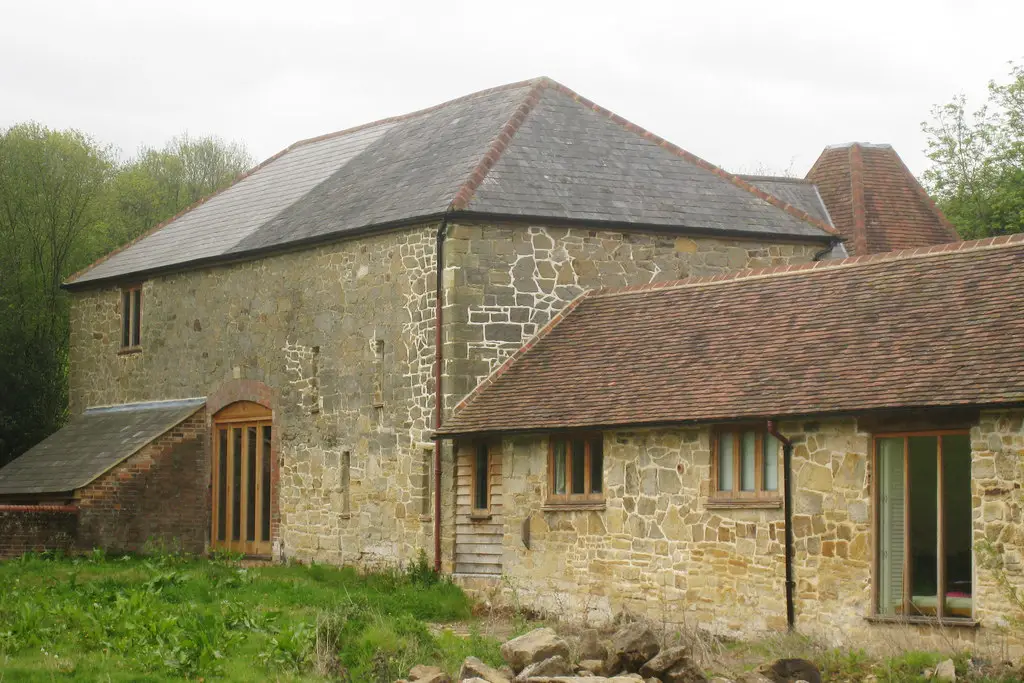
{"x":746,"y":85}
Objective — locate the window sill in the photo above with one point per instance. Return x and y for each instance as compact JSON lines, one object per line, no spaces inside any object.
{"x":426,"y":518}
{"x":129,"y":350}
{"x":963,"y":622}
{"x":344,"y":515}
{"x":480,"y":515}
{"x":569,"y":507}
{"x":739,"y":503}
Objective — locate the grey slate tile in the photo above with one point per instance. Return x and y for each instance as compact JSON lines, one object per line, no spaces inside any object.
{"x":90,"y":444}
{"x":566,"y":161}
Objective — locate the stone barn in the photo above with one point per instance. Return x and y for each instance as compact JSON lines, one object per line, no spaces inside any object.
{"x":275,"y":371}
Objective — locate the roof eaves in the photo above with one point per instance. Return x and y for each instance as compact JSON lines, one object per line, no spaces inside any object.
{"x":694,"y":159}
{"x":250,"y":254}
{"x":851,"y":411}
{"x":74,"y":277}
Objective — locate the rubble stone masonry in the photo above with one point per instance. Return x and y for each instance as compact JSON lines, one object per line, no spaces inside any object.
{"x":342,"y":335}
{"x":661,"y":548}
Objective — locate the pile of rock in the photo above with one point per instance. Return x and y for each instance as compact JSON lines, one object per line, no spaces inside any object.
{"x":632,"y":654}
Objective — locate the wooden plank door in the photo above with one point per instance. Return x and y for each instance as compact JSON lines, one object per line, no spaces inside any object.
{"x":479,"y":532}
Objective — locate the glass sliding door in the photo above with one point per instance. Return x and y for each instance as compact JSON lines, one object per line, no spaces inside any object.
{"x":924,"y":561}
{"x":891,"y":526}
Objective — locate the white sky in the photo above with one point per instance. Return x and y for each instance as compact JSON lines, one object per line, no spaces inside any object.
{"x":746,"y":85}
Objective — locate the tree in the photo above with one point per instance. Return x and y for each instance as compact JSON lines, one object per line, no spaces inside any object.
{"x":51,"y":184}
{"x":64,"y":200}
{"x":157,"y":184}
{"x":977,"y":172}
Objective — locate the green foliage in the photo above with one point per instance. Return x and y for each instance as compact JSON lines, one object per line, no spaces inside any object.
{"x":977,"y":172}
{"x":65,"y":200}
{"x":51,"y":186}
{"x":170,"y":616}
{"x":159,"y":183}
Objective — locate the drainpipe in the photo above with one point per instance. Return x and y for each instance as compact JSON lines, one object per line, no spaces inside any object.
{"x":438,"y":394}
{"x":827,"y":250}
{"x":787,"y":502}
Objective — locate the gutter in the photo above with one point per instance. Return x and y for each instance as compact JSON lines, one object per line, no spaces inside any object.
{"x":787,"y":467}
{"x":438,"y":373}
{"x":318,"y":240}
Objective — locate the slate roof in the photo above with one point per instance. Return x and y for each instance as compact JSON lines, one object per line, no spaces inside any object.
{"x":530,"y":149}
{"x":935,"y":326}
{"x":875,"y":201}
{"x":90,"y":444}
{"x":799,"y":192}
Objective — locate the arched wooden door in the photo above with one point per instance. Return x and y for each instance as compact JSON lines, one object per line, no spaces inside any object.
{"x":241,"y":479}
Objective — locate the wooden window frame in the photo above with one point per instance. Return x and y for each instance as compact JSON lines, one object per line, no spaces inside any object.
{"x":129,"y":313}
{"x":570,"y":499}
{"x":736,"y":497}
{"x":473,"y":509}
{"x":876,"y":556}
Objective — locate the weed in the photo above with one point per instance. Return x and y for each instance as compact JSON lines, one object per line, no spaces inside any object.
{"x":171,"y":615}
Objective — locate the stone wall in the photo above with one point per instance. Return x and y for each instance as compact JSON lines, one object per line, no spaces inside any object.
{"x":512,"y":279}
{"x":660,"y":548}
{"x":341,"y":334}
{"x":343,"y":337}
{"x":35,"y":528}
{"x":158,"y":497}
{"x":997,"y":476}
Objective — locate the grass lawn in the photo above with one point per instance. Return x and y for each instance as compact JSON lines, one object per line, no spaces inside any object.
{"x":168,"y":618}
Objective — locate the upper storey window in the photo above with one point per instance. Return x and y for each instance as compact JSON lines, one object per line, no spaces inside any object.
{"x":131,"y":318}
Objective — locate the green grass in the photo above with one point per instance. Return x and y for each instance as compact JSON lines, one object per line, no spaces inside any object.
{"x":168,"y":617}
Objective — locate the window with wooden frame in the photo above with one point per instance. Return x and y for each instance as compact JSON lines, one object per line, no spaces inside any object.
{"x":745,"y":465}
{"x":576,"y":469}
{"x":131,"y":318}
{"x":923,"y":516}
{"x":480,"y":483}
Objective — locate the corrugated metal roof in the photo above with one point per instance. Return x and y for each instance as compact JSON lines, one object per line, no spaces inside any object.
{"x":90,"y":444}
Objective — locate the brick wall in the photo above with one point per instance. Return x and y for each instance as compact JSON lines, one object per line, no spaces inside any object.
{"x":160,"y":494}
{"x":28,"y":528}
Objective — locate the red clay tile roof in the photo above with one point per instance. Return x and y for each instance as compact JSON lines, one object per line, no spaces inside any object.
{"x":934,"y":326}
{"x":875,"y":201}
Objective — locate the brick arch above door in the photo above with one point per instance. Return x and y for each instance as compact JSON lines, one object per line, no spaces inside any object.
{"x":235,"y":390}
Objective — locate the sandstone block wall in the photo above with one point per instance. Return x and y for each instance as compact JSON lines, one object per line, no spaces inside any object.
{"x":661,"y":548}
{"x":510,"y":280}
{"x":342,"y":338}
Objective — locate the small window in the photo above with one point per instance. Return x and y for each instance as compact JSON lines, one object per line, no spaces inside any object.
{"x":481,"y":478}
{"x":746,"y":464}
{"x":131,"y":317}
{"x":576,"y":469}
